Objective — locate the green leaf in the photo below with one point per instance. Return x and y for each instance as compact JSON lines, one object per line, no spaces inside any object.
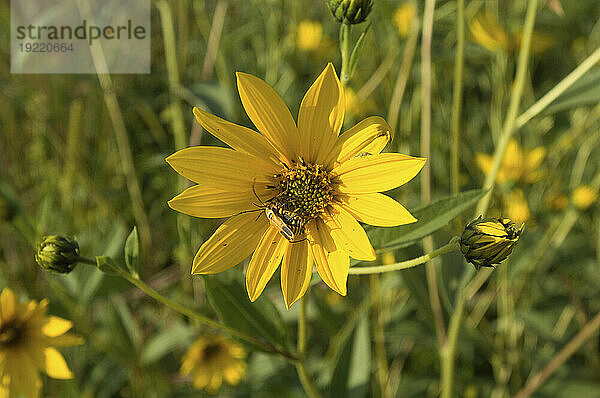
{"x":231,"y":303}
{"x":164,"y":341}
{"x":430,"y":218}
{"x":357,"y":48}
{"x":132,"y":252}
{"x":586,"y":91}
{"x":353,"y":366}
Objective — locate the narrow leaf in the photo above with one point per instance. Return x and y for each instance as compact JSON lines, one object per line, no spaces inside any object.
{"x":586,"y":91}
{"x":231,"y":303}
{"x":132,"y":252}
{"x":353,"y":366}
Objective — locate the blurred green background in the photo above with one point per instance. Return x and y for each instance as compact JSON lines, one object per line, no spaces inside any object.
{"x":66,"y":170}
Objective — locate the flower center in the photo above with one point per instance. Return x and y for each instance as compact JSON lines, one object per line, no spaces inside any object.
{"x":304,"y":190}
{"x":10,"y":334}
{"x":211,"y":351}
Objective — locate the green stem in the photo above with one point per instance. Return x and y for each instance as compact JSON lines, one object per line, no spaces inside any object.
{"x":451,"y":246}
{"x":509,"y":126}
{"x":459,"y":62}
{"x":449,"y":350}
{"x":345,"y":50}
{"x":403,"y":74}
{"x":382,"y":371}
{"x":193,"y":314}
{"x":307,"y":384}
{"x":560,"y":88}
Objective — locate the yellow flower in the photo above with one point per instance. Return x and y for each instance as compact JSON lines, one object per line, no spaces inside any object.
{"x":311,"y":183}
{"x":27,"y":337}
{"x":308,"y":37}
{"x":584,"y":196}
{"x":210,"y":360}
{"x":487,"y":32}
{"x":403,"y":18}
{"x":517,"y":164}
{"x":516,"y":207}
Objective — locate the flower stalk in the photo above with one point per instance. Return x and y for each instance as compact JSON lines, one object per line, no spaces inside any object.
{"x":453,"y":245}
{"x":193,"y":314}
{"x":449,"y":348}
{"x":307,"y":384}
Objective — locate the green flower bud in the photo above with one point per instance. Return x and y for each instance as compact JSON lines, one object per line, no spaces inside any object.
{"x":350,"y":12}
{"x":58,"y":254}
{"x":489,"y":241}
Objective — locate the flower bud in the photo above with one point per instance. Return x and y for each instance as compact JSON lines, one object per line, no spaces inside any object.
{"x":350,"y":12}
{"x":489,"y":241}
{"x":58,"y":253}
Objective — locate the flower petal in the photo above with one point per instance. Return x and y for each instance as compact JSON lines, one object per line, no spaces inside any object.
{"x":369,"y":136}
{"x":376,"y":209}
{"x":217,"y":167}
{"x":321,"y":116}
{"x":22,"y":374}
{"x":332,"y":264}
{"x":8,"y":305}
{"x":377,"y":173}
{"x":269,"y":114}
{"x":56,"y":366}
{"x":348,"y":234}
{"x":231,"y":243}
{"x":296,"y":271}
{"x":264,"y":262}
{"x":535,"y":158}
{"x":56,"y":326}
{"x":211,"y":202}
{"x":238,"y":137}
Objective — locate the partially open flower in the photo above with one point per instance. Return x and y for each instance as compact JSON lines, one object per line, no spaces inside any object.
{"x":58,"y":253}
{"x":489,"y":241}
{"x":350,"y":12}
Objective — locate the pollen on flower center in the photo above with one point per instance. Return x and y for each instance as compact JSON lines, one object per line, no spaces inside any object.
{"x":304,"y":190}
{"x":10,"y":334}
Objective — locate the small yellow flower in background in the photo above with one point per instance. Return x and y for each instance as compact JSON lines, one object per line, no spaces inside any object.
{"x":403,"y":18}
{"x":487,"y":32}
{"x":212,"y":359}
{"x":312,"y":184}
{"x":516,"y":207}
{"x":540,"y":42}
{"x":584,"y":196}
{"x":558,"y":202}
{"x":27,"y":337}
{"x":517,"y":164}
{"x":309,"y":35}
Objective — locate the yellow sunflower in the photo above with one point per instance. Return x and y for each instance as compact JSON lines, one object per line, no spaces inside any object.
{"x":212,"y":359}
{"x":312,"y":184}
{"x":518,"y":164}
{"x":27,"y":335}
